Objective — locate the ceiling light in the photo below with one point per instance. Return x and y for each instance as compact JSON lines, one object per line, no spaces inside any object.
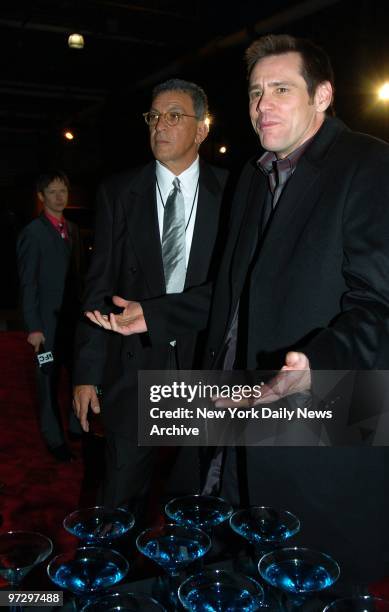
{"x":68,"y":135}
{"x":76,"y":41}
{"x":223,"y":149}
{"x":383,"y":92}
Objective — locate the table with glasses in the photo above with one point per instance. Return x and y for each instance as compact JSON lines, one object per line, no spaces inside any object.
{"x":204,"y":558}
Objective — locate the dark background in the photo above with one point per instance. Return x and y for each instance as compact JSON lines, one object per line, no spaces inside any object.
{"x":101,"y":91}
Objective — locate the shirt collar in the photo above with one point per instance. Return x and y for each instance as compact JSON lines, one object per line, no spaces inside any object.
{"x":56,"y":222}
{"x":188,"y":178}
{"x":268,"y":160}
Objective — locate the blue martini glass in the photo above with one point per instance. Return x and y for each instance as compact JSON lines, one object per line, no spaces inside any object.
{"x":99,"y":526}
{"x":131,"y":602}
{"x":264,"y":527}
{"x":220,"y":591}
{"x":173,"y":547}
{"x":299,"y":572}
{"x":87,"y":571}
{"x":20,"y":551}
{"x":202,"y":511}
{"x":362,"y":603}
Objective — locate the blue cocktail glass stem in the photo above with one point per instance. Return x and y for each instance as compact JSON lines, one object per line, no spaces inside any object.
{"x":15,"y":586}
{"x":82,"y":600}
{"x":104,"y":543}
{"x":172,"y":583}
{"x":296,"y":602}
{"x":258,"y":551}
{"x":261,"y":548}
{"x":292,"y":602}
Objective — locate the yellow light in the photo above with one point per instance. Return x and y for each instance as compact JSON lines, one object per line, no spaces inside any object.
{"x":223,"y":150}
{"x":69,"y":135}
{"x":76,"y":41}
{"x":208,"y":121}
{"x":383,"y":92}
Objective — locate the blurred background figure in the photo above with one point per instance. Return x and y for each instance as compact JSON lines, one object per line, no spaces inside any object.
{"x":49,"y":255}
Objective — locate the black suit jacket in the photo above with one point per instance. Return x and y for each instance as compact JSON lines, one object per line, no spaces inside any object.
{"x":127,"y":261}
{"x":320,"y":284}
{"x":50,"y":275}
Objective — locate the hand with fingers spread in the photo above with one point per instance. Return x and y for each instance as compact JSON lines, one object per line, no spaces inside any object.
{"x":85,"y":397}
{"x":294,"y":377}
{"x":130,"y":321}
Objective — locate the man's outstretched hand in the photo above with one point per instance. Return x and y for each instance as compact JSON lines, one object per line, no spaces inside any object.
{"x":130,"y":321}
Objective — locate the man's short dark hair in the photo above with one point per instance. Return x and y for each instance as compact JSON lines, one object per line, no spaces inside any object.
{"x":197,"y":93}
{"x":46,"y":178}
{"x":315,"y":63}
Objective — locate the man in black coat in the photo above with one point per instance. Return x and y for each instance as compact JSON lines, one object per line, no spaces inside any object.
{"x":158,"y":319}
{"x":304,"y":286}
{"x":49,"y":262}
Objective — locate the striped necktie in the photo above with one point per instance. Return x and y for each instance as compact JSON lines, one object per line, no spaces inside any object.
{"x":173,"y":240}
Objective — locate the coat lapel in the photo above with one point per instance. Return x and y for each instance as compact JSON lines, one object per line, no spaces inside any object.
{"x":205,"y":228}
{"x":140,"y":208}
{"x":294,"y":205}
{"x":299,"y":196}
{"x":250,"y":228}
{"x":70,"y":228}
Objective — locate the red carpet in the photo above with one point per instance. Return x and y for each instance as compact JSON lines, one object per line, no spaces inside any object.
{"x":37,"y":491}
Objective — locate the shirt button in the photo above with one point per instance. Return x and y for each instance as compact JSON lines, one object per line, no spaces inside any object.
{"x":133,"y":270}
{"x":130,"y":355}
{"x":211,"y":353}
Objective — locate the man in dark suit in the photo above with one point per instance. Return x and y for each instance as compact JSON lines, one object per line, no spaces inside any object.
{"x":303,"y":286}
{"x":49,"y":264}
{"x":162,"y":293}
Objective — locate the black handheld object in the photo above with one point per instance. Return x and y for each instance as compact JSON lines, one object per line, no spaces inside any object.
{"x":45,"y":360}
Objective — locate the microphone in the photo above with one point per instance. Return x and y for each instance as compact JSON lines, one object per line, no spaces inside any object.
{"x":45,"y":360}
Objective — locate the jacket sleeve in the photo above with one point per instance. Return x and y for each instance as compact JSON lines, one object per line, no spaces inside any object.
{"x":91,"y":341}
{"x":169,"y":316}
{"x":358,"y":338}
{"x":28,"y":259}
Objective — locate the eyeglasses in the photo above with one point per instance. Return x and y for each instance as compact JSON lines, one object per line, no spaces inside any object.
{"x":171,"y":118}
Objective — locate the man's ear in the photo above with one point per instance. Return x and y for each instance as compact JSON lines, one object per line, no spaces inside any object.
{"x":202,"y":132}
{"x":323,"y":96}
{"x":40,"y":196}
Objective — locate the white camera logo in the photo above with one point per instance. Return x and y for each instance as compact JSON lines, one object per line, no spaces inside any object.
{"x":45,"y":358}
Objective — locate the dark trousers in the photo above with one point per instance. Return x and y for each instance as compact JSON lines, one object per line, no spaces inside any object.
{"x":49,"y":410}
{"x":128,"y":473}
